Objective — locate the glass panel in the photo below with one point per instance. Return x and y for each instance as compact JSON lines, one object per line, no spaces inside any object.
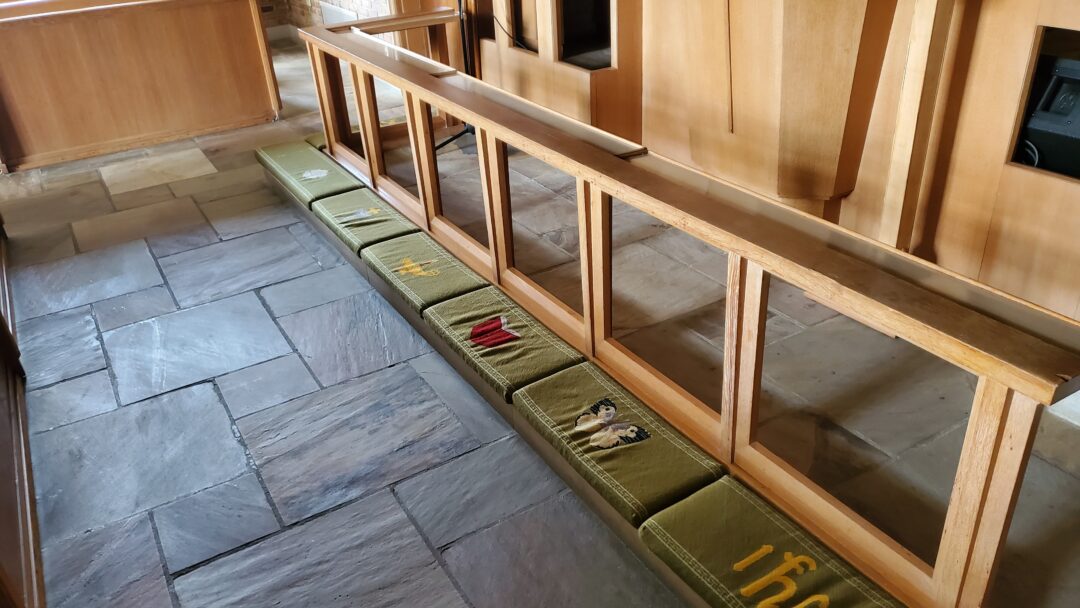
{"x":668,"y":291}
{"x":345,"y":90}
{"x":352,"y":103}
{"x":586,"y":33}
{"x":1050,"y":134}
{"x":1042,"y":551}
{"x":460,"y":178}
{"x":394,"y":136}
{"x":543,"y":206}
{"x":525,"y":33}
{"x":872,"y":419}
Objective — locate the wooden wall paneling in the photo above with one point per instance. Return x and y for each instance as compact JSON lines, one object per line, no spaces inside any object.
{"x":697,"y":110}
{"x":997,"y":69}
{"x":269,"y":74}
{"x":917,"y":107}
{"x":827,"y":91}
{"x":616,"y":91}
{"x":138,"y":74}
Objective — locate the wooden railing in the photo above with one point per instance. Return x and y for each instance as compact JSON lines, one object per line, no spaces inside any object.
{"x":1024,"y":357}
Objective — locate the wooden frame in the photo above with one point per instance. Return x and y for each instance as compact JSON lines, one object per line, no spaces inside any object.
{"x":1018,"y":371}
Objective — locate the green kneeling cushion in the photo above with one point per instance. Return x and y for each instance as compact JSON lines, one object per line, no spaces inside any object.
{"x":637,"y":461}
{"x":503,"y":343}
{"x":422,"y":271}
{"x":735,"y":550}
{"x":317,"y":141}
{"x":307,"y":173}
{"x":361,"y":219}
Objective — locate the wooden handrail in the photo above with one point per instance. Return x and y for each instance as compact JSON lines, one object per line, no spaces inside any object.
{"x":400,"y":23}
{"x":27,"y":9}
{"x":915,"y":312}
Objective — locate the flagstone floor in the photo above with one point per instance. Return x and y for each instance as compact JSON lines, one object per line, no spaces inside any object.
{"x":224,"y":413}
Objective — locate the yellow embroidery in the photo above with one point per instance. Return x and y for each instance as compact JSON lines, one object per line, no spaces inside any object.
{"x":798,"y":564}
{"x":408,"y":266}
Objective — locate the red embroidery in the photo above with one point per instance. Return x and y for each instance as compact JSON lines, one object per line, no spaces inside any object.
{"x":492,"y":333}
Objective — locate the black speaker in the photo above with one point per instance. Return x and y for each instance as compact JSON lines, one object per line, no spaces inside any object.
{"x":1051,"y":135}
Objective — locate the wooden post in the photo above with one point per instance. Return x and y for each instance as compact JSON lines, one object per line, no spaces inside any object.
{"x":422,"y":136}
{"x":584,"y":209}
{"x":369,"y":125}
{"x":496,"y":184}
{"x":600,"y":264}
{"x":745,"y":340}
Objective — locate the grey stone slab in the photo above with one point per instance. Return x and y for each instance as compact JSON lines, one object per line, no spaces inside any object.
{"x":116,"y":566}
{"x":690,"y":251}
{"x":133,"y":307}
{"x":817,"y":447}
{"x":184,"y":240}
{"x":232,"y":267}
{"x":477,"y":489}
{"x":469,"y":407}
{"x":555,"y":554}
{"x":70,"y":401}
{"x":213,"y":521}
{"x":884,"y":390}
{"x":365,"y":554}
{"x":83,"y":279}
{"x":793,"y":302}
{"x":174,"y":350}
{"x":907,"y":498}
{"x":342,"y":442}
{"x":316,"y":245}
{"x":351,"y":337}
{"x":59,"y":346}
{"x":1041,"y":558}
{"x":249,"y":213}
{"x":155,"y":452}
{"x":266,"y":384}
{"x":313,"y":290}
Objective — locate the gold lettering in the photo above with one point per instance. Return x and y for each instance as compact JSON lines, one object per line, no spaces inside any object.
{"x":820,"y":600}
{"x":752,"y":558}
{"x":798,"y":564}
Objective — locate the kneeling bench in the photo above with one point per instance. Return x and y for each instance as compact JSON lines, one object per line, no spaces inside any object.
{"x":735,"y":550}
{"x":306,"y":173}
{"x":631,"y":456}
{"x":360,"y":219}
{"x":421,"y":270}
{"x":508,"y":347}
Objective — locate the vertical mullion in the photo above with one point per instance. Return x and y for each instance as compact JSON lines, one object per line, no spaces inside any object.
{"x":1021,"y":423}
{"x":600,"y":265}
{"x":584,"y":215}
{"x":421,"y":133}
{"x":984,"y":433}
{"x":752,"y":314}
{"x":369,"y":124}
{"x":322,"y":90}
{"x":496,"y":183}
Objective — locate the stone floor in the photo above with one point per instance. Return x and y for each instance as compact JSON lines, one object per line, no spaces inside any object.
{"x":225,"y":414}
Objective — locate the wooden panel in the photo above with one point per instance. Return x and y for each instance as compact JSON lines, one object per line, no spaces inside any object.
{"x":827,"y":91}
{"x":86,"y":83}
{"x":710,"y":85}
{"x":559,"y":86}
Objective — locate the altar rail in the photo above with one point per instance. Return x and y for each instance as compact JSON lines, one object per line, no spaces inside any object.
{"x":1025,"y":357}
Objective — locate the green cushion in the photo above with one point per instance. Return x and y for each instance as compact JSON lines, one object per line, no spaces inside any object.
{"x":307,"y":173}
{"x":317,"y":141}
{"x":638,"y":462}
{"x":421,"y":270}
{"x":360,"y":218}
{"x":503,"y":343}
{"x":735,"y":550}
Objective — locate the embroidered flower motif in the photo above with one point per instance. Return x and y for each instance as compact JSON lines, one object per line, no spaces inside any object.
{"x":357,"y":216}
{"x":492,"y":333}
{"x":416,"y":269}
{"x":606,"y":433}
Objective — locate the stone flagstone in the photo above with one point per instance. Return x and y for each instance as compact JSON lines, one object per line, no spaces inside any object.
{"x":59,"y":346}
{"x":174,"y":350}
{"x":70,"y":401}
{"x":157,"y":451}
{"x":342,"y":442}
{"x":365,"y":554}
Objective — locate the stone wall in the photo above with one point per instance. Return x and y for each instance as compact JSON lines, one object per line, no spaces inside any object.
{"x":303,"y":13}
